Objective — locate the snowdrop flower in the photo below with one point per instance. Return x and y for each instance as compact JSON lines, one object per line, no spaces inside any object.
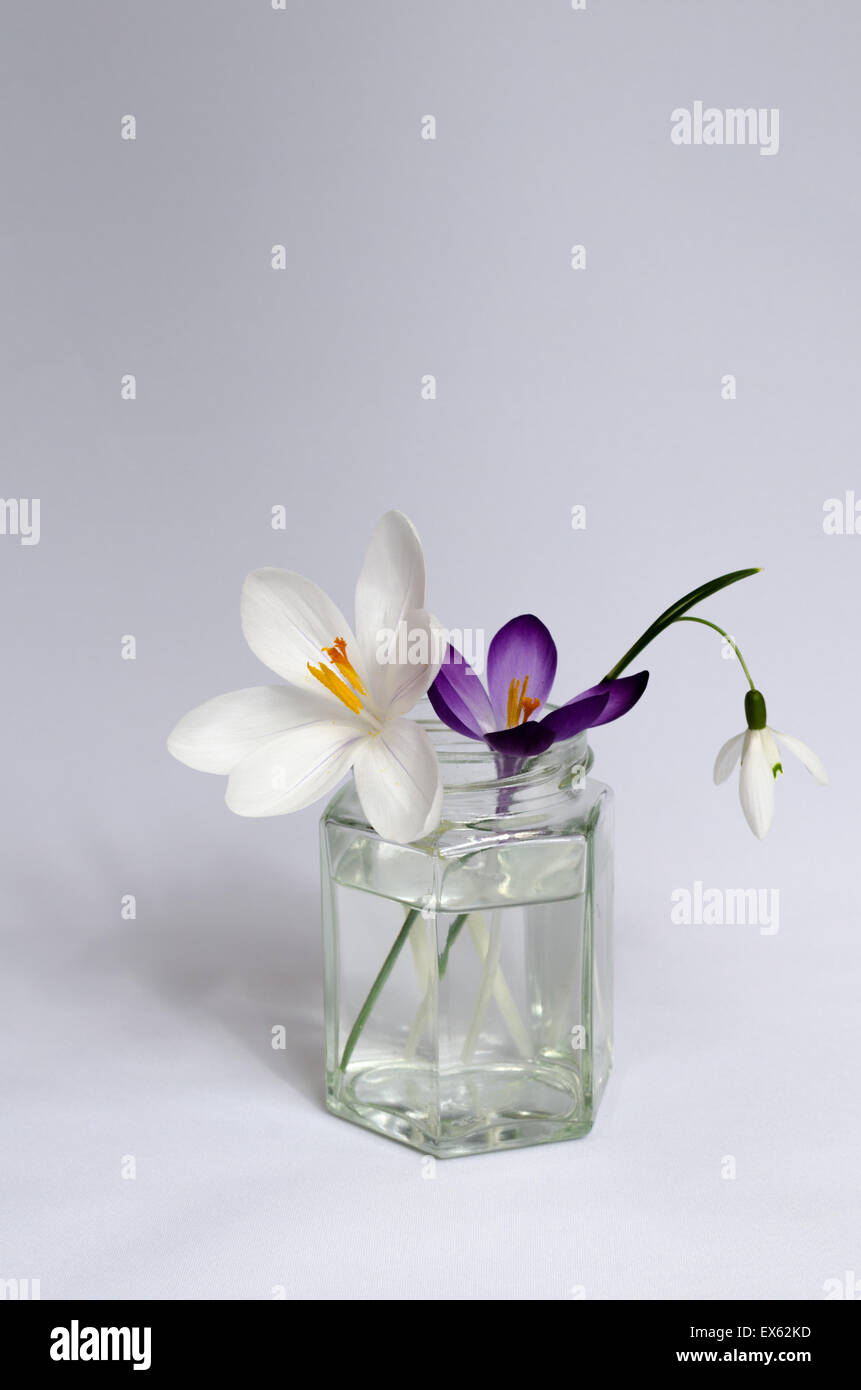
{"x":760,"y":763}
{"x":283,"y":746}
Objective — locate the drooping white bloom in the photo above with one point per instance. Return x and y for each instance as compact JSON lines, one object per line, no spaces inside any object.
{"x":760,"y":764}
{"x":283,"y":746}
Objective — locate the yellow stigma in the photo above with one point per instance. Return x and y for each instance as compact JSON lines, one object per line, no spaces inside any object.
{"x":519,"y":703}
{"x":332,"y":679}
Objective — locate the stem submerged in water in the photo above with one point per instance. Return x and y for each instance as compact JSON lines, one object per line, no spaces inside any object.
{"x":454,"y":931}
{"x":385,"y":971}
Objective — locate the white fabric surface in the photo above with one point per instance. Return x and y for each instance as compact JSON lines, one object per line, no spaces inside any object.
{"x":152,"y":1038}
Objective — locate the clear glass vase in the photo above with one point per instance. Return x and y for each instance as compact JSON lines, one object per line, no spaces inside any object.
{"x":468,"y":977}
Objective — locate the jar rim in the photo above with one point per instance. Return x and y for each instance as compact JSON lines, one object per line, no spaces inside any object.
{"x":454,"y":750}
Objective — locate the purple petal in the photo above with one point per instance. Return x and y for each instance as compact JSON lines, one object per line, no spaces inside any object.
{"x":448,"y":707}
{"x":523,"y":647}
{"x":582,"y":713}
{"x":464,"y":692}
{"x":622,"y":694}
{"x":523,"y":742}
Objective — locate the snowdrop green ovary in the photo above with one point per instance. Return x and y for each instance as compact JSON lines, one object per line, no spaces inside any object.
{"x":283,"y":747}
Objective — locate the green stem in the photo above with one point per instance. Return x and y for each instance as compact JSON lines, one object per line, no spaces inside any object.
{"x":385,"y":971}
{"x":454,"y":931}
{"x":388,"y":966}
{"x":673,"y":613}
{"x":705,"y":622}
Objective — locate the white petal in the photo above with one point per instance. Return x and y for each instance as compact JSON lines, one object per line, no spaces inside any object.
{"x":771,"y":751}
{"x":804,"y":755}
{"x":217,"y":735}
{"x":728,"y":757}
{"x":293,"y":769}
{"x":434,"y":815}
{"x":398,"y":781}
{"x":756,"y":784}
{"x":403,"y":671}
{"x":391,"y":584}
{"x":287,"y":620}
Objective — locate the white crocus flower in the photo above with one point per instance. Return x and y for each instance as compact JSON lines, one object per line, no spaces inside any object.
{"x":760,"y":763}
{"x":283,"y":746}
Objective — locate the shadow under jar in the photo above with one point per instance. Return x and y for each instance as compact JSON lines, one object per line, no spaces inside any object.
{"x":468,"y":976}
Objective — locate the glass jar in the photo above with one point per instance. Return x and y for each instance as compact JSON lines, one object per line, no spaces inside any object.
{"x":468,"y":976}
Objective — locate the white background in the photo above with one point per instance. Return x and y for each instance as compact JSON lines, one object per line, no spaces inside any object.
{"x":300,"y":387}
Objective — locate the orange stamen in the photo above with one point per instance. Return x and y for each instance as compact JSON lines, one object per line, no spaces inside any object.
{"x":337,"y":654}
{"x":512,"y":704}
{"x":518,"y":704}
{"x":337,"y":687}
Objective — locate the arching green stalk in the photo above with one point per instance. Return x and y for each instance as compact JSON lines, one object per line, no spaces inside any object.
{"x":705,"y":622}
{"x":673,"y":614}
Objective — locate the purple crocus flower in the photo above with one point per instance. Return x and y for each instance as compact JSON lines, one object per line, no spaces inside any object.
{"x":521,"y":665}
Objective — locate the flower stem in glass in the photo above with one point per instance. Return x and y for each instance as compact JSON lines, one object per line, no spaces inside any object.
{"x":386,"y":969}
{"x":453,"y":933}
{"x":426,"y":977}
{"x":486,"y":988}
{"x":501,"y":993}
